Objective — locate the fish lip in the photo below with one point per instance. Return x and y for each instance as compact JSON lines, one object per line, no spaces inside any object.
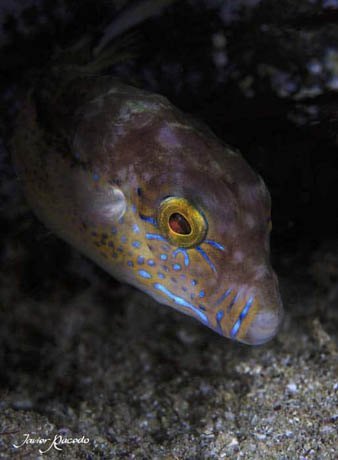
{"x":264,"y":326}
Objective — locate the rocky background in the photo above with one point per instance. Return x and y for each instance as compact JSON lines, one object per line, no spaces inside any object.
{"x":80,"y":354}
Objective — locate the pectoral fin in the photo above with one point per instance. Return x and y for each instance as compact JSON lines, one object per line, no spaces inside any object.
{"x":99,"y":202}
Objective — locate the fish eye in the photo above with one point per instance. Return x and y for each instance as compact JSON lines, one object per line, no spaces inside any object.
{"x":181,"y":223}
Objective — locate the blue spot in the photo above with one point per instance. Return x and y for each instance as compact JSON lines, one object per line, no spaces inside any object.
{"x":192,"y":296}
{"x":183,"y":276}
{"x":206,"y":258}
{"x":177,"y":267}
{"x":136,"y":228}
{"x":161,"y":275}
{"x":202,"y":307}
{"x":214,"y":244}
{"x":140,"y":260}
{"x":165,"y":268}
{"x":144,"y":274}
{"x":123,"y":239}
{"x":133,"y":208}
{"x":185,"y":254}
{"x":149,"y":219}
{"x":201,"y":293}
{"x":96,"y":177}
{"x":150,"y":262}
{"x":113,"y":231}
{"x":136,"y":244}
{"x":242,"y":315}
{"x":139,"y":191}
{"x":223,"y":297}
{"x":219,"y":316}
{"x":155,"y":236}
{"x":180,"y":301}
{"x":120,"y":249}
{"x":193,"y":282}
{"x":130,"y":263}
{"x":164,"y":256}
{"x":184,"y":288}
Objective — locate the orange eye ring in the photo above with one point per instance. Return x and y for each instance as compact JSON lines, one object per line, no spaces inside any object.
{"x":181,"y":223}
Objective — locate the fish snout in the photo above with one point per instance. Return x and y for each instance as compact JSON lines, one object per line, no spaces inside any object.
{"x":264,"y":325}
{"x":266,"y":314}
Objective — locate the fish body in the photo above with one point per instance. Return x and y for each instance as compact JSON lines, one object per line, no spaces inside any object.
{"x":154,"y":198}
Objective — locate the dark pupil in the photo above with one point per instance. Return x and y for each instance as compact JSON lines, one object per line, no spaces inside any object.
{"x":179,"y":224}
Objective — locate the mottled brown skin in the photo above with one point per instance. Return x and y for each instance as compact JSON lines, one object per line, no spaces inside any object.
{"x":95,"y":157}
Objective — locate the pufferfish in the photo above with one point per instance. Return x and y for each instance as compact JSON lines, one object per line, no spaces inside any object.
{"x":154,"y":198}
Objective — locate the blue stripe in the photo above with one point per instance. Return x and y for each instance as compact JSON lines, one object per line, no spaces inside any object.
{"x":155,"y":236}
{"x":144,"y":274}
{"x":185,"y":254}
{"x":223,"y":296}
{"x":214,"y":244}
{"x":206,"y":257}
{"x":149,"y":219}
{"x":242,"y":315}
{"x":219,"y":317}
{"x":181,"y":301}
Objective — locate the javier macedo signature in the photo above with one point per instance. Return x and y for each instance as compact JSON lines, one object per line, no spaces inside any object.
{"x":46,"y":444}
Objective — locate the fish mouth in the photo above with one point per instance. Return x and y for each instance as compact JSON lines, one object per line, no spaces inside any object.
{"x":263,"y":327}
{"x":257,"y":321}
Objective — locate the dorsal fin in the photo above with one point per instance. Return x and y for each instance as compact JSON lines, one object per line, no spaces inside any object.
{"x":131,"y":16}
